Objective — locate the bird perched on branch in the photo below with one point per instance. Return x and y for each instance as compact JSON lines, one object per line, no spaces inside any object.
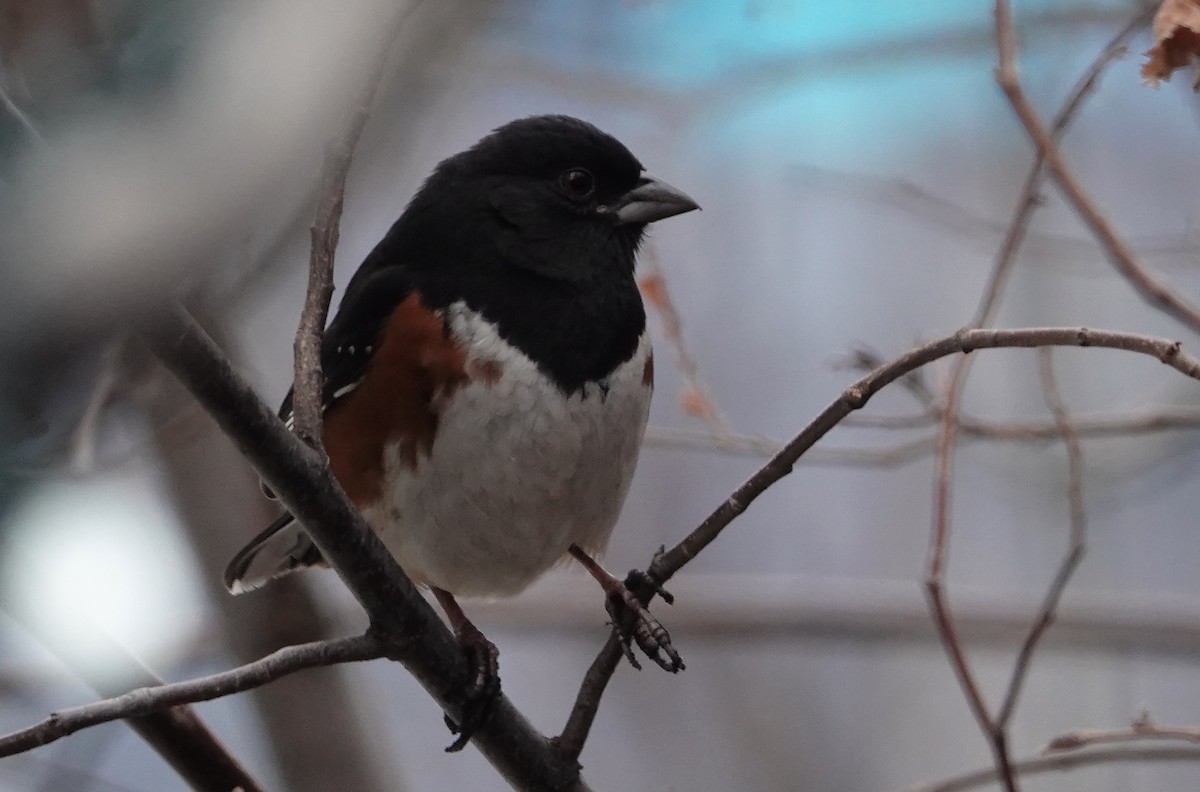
{"x":487,"y":379}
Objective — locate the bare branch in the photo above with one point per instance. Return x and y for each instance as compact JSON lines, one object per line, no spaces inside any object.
{"x":1087,"y":425}
{"x":587,"y":701}
{"x":949,"y":426}
{"x":1075,"y":548}
{"x":939,"y":607}
{"x":147,"y":700}
{"x":1150,"y":288}
{"x":1018,"y":226}
{"x":316,"y":748}
{"x":853,"y":398}
{"x":174,"y":732}
{"x":969,"y":429}
{"x":325,"y":232}
{"x":1141,"y":729}
{"x":1060,"y":762}
{"x":756,"y":446}
{"x":300,"y":478}
{"x":866,"y":360}
{"x":857,"y":395}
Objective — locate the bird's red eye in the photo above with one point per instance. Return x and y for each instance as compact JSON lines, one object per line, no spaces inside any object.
{"x":577,"y":182}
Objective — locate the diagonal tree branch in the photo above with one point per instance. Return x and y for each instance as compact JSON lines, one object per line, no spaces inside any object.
{"x":314,"y":747}
{"x":172,"y":729}
{"x":146,"y":701}
{"x":300,"y":478}
{"x":856,"y":396}
{"x":1018,"y":226}
{"x":667,"y":563}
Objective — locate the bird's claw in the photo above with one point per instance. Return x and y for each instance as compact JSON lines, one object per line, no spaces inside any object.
{"x":637,"y":577}
{"x":634,"y":624}
{"x":480,"y":700}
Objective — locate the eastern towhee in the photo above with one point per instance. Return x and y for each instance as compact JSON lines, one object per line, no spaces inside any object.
{"x":488,"y":377}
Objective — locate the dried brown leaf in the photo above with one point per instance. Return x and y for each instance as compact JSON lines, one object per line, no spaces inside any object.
{"x":1176,"y":39}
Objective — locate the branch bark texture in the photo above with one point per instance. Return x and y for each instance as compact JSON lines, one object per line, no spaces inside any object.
{"x":300,"y":478}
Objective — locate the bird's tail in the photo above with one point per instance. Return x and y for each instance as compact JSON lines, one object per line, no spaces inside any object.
{"x":281,"y":548}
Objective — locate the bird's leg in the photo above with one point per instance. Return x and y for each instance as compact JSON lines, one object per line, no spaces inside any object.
{"x":483,"y":659}
{"x":630,"y":618}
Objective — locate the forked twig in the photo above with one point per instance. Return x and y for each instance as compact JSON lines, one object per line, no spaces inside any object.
{"x":667,"y":563}
{"x":1154,"y":291}
{"x":996,"y":728}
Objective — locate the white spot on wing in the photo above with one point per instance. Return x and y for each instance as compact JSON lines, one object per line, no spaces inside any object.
{"x":342,"y":391}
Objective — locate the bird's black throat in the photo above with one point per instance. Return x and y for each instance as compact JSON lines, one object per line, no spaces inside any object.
{"x":575,"y":333}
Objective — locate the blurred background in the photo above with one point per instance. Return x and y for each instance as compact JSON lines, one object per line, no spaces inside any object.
{"x":857,"y":167}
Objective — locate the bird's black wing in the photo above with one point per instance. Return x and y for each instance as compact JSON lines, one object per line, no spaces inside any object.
{"x":352,"y":336}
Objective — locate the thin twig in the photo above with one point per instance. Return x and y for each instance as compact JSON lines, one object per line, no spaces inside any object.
{"x":324,"y":233}
{"x":864,"y":360}
{"x":1060,"y":762}
{"x":1018,"y":226}
{"x":1087,"y":425}
{"x":176,"y":733}
{"x":754,"y":446}
{"x":920,"y":421}
{"x":969,"y":429}
{"x":853,"y":398}
{"x":1075,"y":547}
{"x":1150,"y":288}
{"x":587,"y":701}
{"x":146,"y":700}
{"x":1141,"y":729}
{"x":949,"y":426}
{"x":939,"y":606}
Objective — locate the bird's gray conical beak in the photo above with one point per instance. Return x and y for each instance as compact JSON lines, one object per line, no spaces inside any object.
{"x":651,"y":200}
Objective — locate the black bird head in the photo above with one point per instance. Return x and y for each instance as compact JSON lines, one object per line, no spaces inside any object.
{"x":551,"y":196}
{"x":536,"y":227}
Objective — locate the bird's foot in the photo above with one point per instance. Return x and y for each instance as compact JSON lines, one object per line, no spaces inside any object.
{"x":483,"y":659}
{"x":634,"y":624}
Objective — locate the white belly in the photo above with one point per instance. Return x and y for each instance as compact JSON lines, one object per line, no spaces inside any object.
{"x":517,"y":473}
